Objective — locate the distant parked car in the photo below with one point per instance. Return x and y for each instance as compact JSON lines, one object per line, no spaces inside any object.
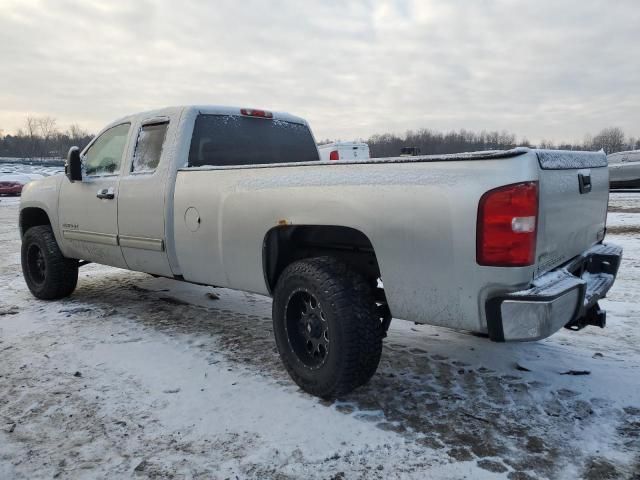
{"x":344,"y":151}
{"x":409,"y":151}
{"x":624,"y":169}
{"x":12,"y":184}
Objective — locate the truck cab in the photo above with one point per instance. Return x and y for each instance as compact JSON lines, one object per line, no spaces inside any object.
{"x":120,"y":211}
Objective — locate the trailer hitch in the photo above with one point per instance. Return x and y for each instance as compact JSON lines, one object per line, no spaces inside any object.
{"x":594,"y":316}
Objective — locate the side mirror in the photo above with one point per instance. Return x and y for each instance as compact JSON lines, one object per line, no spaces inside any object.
{"x":73,"y":167}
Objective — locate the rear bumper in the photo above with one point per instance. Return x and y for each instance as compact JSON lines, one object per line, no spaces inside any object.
{"x":566,"y":297}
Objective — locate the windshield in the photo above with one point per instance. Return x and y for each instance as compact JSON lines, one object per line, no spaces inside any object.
{"x":222,"y":140}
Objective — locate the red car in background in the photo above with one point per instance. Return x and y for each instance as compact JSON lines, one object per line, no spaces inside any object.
{"x":11,"y":185}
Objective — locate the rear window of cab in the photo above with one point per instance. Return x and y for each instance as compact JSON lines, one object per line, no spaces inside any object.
{"x":228,"y":140}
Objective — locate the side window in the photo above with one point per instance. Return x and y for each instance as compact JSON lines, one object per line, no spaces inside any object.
{"x":105,"y":155}
{"x":149,"y":147}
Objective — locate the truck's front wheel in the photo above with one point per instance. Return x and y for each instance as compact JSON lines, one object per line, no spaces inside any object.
{"x":49,"y":275}
{"x":326,"y":327}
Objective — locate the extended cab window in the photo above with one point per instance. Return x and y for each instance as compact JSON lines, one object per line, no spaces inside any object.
{"x":149,"y":147}
{"x":105,"y":154}
{"x":237,"y":140}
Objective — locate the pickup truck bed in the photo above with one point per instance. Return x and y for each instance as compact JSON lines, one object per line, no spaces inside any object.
{"x":417,"y":213}
{"x":507,"y":243}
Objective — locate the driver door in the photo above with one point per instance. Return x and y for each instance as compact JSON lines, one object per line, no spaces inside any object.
{"x":88,"y":209}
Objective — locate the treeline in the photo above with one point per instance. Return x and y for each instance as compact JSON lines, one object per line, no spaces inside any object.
{"x":431,"y":142}
{"x":41,"y":138}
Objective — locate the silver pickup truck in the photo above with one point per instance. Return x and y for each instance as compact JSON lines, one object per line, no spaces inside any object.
{"x":504,"y":243}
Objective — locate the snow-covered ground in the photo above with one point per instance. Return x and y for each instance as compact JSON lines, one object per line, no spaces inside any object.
{"x":9,"y":168}
{"x":149,"y":378}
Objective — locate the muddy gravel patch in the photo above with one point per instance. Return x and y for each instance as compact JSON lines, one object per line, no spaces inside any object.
{"x":504,"y":422}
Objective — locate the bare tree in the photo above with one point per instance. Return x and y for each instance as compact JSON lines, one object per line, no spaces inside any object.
{"x":31,"y":124}
{"x":77,"y":133}
{"x":46,"y":127}
{"x":610,"y":139}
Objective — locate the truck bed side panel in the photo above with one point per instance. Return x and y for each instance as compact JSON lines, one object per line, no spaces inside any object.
{"x":419,"y":217}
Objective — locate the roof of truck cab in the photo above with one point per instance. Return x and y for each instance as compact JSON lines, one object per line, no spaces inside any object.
{"x":205,"y":109}
{"x":226,"y":110}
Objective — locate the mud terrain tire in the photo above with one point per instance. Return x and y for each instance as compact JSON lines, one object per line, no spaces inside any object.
{"x":326,"y":327}
{"x":49,"y":275}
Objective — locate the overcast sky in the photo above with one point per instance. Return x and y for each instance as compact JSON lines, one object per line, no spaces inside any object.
{"x":544,"y":69}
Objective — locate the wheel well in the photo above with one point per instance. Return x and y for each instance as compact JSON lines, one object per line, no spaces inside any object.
{"x":286,"y":244}
{"x":32,"y":217}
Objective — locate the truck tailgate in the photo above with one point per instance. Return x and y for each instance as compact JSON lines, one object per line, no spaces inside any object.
{"x":574,"y":195}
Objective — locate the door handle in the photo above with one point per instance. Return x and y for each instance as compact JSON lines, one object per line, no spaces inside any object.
{"x":106,"y":194}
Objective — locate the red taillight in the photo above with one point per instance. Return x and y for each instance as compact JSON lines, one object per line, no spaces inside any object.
{"x":507,"y":226}
{"x":250,"y":112}
{"x":334,"y":155}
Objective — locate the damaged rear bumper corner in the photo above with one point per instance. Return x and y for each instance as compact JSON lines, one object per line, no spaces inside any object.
{"x":566,"y":297}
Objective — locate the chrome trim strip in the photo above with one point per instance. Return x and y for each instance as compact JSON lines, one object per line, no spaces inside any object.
{"x":143,"y":243}
{"x":93,"y":237}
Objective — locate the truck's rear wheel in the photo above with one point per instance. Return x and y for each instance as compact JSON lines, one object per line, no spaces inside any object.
{"x":326,"y":327}
{"x":48,"y":274}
